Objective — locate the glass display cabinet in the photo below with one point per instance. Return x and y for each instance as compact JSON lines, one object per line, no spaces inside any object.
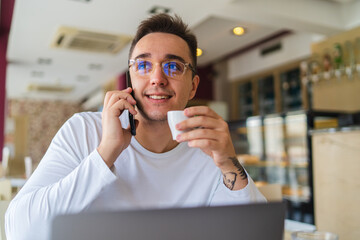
{"x":245,"y":100}
{"x":274,"y":91}
{"x":276,"y":148}
{"x":266,"y":95}
{"x":291,"y":95}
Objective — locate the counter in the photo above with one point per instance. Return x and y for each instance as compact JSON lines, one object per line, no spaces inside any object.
{"x":336,"y":168}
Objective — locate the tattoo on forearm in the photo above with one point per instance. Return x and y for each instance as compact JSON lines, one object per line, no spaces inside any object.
{"x":230,"y":177}
{"x":240,"y":168}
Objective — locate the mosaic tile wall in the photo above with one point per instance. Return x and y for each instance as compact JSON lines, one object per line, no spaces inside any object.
{"x":45,"y":118}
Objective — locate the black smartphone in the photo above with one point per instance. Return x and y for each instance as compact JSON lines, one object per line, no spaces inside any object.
{"x":131,"y":117}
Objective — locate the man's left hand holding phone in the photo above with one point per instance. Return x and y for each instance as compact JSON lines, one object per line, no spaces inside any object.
{"x":114,"y":138}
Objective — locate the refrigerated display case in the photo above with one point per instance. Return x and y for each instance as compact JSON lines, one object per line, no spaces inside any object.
{"x":276,"y":148}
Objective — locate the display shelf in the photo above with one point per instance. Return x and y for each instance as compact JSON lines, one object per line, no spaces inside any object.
{"x":296,"y":198}
{"x":275,"y":164}
{"x":266,"y":95}
{"x":245,"y":100}
{"x":291,"y":90}
{"x":273,"y":91}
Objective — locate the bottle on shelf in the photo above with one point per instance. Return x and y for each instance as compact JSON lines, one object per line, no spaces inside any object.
{"x":357,"y":55}
{"x":349,"y":59}
{"x":327,"y":64}
{"x":338,"y":60}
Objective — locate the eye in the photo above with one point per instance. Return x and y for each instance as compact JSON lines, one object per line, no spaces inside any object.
{"x":143,"y":65}
{"x":176,"y":66}
{"x":173,"y":67}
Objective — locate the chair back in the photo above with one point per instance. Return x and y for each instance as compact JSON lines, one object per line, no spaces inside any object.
{"x":3,"y":207}
{"x":5,"y":189}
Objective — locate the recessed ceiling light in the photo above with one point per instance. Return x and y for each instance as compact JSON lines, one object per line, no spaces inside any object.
{"x":199,"y":52}
{"x":159,"y":9}
{"x":238,"y":31}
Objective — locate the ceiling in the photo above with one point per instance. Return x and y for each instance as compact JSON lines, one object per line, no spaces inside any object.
{"x":32,"y":61}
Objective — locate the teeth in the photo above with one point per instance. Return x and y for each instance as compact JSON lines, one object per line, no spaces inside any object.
{"x":158,"y":97}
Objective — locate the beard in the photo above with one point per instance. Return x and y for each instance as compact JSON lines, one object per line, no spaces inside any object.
{"x":154,"y":116}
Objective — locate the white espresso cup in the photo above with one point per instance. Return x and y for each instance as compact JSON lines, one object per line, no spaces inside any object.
{"x":174,"y":117}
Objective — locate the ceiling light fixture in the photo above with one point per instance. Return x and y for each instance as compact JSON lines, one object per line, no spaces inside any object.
{"x":199,"y":52}
{"x":159,"y":9}
{"x":238,"y":31}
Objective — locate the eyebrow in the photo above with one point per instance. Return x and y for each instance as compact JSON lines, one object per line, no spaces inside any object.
{"x":143,"y":55}
{"x":167,"y":57}
{"x":175,"y":57}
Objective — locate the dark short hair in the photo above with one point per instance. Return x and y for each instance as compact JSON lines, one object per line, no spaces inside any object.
{"x":165,"y":23}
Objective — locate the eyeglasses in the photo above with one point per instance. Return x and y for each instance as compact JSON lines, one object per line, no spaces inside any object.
{"x":172,"y":68}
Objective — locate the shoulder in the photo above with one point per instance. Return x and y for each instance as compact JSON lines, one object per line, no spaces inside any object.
{"x":83,"y":121}
{"x":93,"y":120}
{"x":82,"y":132}
{"x":87,"y":117}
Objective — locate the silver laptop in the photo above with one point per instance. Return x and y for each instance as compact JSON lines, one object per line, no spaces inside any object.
{"x":248,"y":222}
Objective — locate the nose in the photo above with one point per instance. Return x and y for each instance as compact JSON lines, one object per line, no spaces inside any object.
{"x":157,"y":77}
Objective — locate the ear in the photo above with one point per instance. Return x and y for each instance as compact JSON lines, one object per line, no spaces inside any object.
{"x":195,"y":83}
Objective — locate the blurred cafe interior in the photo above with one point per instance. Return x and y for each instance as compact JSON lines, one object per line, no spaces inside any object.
{"x":285,"y":75}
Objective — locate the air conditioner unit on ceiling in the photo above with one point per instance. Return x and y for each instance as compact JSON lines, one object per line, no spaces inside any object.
{"x":76,"y":39}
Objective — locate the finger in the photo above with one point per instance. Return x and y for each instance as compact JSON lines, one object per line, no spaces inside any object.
{"x":118,"y":95}
{"x":202,"y":122}
{"x":107,"y":98}
{"x":207,"y":144}
{"x":201,"y":111}
{"x":110,"y":93}
{"x":198,"y":134}
{"x":122,"y":104}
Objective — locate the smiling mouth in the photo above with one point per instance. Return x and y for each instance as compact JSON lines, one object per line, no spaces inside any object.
{"x":158,"y":97}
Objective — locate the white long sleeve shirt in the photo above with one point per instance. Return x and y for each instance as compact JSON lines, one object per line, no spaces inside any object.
{"x":72,"y":177}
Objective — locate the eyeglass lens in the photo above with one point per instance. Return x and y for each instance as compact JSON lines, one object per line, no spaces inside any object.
{"x":170,"y":68}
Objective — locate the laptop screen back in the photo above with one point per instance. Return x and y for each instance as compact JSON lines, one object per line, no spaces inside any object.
{"x":249,"y":222}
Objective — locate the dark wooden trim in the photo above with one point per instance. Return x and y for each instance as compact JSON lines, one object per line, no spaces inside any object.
{"x":7,"y":7}
{"x":253,"y":45}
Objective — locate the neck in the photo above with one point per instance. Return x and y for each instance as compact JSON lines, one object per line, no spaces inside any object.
{"x":155,"y":136}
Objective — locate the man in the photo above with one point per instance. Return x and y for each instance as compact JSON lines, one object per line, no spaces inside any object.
{"x":94,"y":163}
